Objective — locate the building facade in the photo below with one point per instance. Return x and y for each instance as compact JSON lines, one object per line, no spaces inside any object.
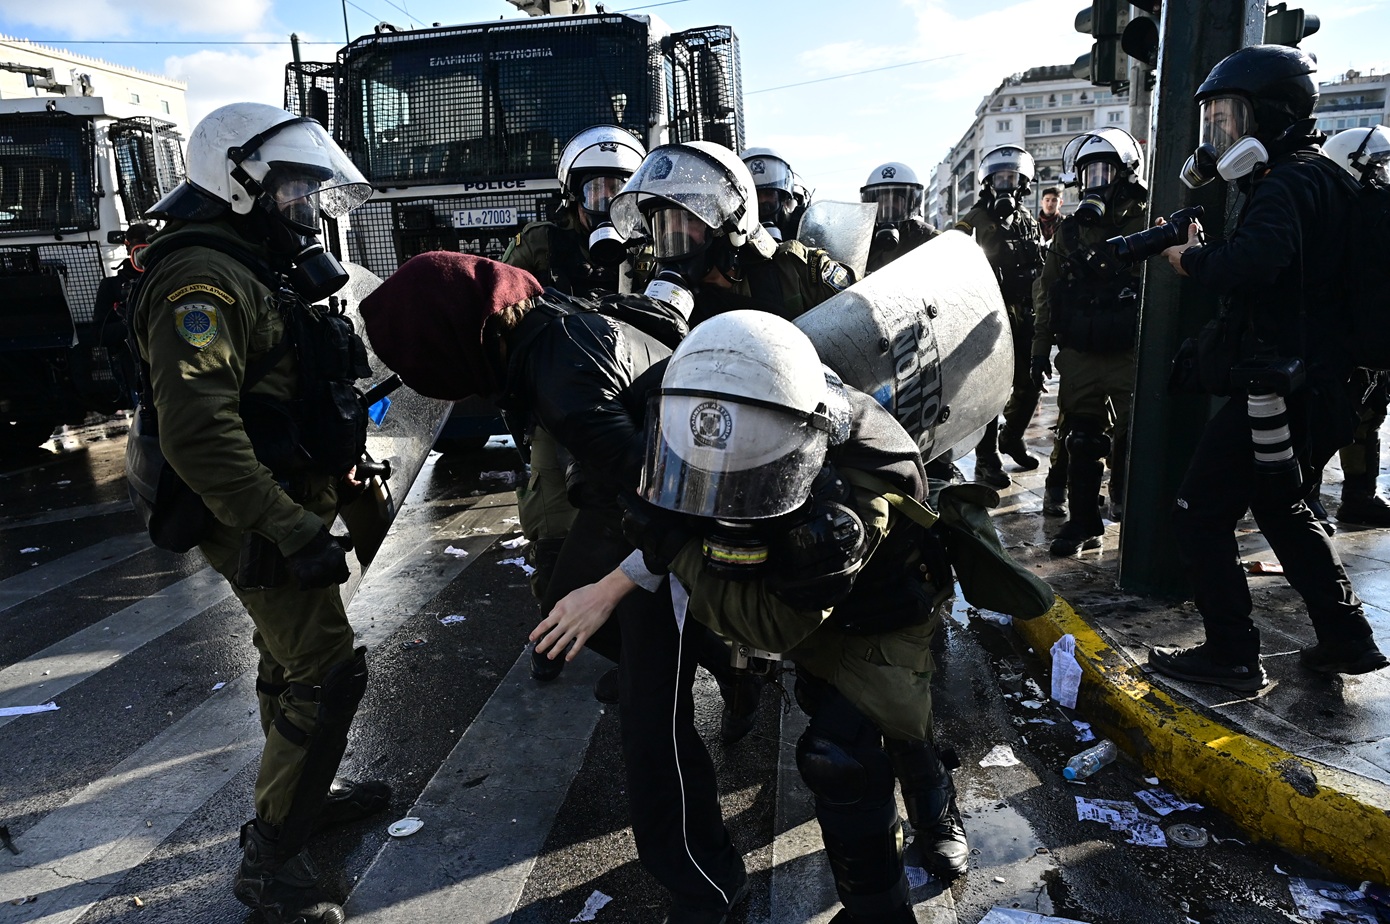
{"x":125,"y":92}
{"x":1353,"y":100}
{"x":1040,"y":109}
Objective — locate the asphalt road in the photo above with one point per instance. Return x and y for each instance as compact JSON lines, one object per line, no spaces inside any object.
{"x":123,"y":803}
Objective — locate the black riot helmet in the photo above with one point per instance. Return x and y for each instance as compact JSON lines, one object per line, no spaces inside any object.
{"x":1276,"y":79}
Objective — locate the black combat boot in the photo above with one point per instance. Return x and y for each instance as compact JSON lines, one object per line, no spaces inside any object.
{"x":741,"y":693}
{"x":1011,"y":439}
{"x":989,"y":468}
{"x":284,"y":890}
{"x":348,"y":801}
{"x":930,"y":797}
{"x":1085,"y":471}
{"x":1055,"y":486}
{"x":1361,"y":504}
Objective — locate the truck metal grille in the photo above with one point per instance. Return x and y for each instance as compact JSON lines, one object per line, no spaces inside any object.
{"x":706,"y":100}
{"x":384,"y":233}
{"x":149,"y":162}
{"x":46,"y":182}
{"x":310,"y":90}
{"x":494,"y":100}
{"x":77,"y":265}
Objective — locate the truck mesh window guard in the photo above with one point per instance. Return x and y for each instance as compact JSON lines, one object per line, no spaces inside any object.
{"x":78,"y":265}
{"x":46,"y":182}
{"x":493,"y":100}
{"x":149,"y":162}
{"x":310,"y":89}
{"x":706,"y":103}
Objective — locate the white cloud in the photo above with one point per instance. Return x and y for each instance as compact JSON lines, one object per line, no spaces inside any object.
{"x":95,"y":19}
{"x":219,"y":76}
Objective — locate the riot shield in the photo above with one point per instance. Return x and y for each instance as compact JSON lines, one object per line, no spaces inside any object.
{"x":927,"y":336}
{"x":399,"y":438}
{"x":842,"y":229}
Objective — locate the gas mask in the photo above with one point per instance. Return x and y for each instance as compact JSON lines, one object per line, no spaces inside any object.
{"x":886,"y":237}
{"x":1227,"y":146}
{"x":1098,"y":180}
{"x":1002,"y":206}
{"x":606,"y":246}
{"x":312,"y":270}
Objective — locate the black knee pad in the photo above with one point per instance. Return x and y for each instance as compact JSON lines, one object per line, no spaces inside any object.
{"x":1086,"y":439}
{"x":831,"y":772}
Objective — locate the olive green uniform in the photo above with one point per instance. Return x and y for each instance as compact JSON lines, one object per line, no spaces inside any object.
{"x":795,"y":280}
{"x":1015,"y":253}
{"x":202,"y":318}
{"x":1095,"y":388}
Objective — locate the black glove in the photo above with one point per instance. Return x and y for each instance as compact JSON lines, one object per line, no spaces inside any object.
{"x":1041,"y":370}
{"x":658,"y":533}
{"x":321,"y":563}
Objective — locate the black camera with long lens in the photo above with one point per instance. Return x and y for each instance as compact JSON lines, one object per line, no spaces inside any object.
{"x":1269,"y":376}
{"x":1132,"y":248}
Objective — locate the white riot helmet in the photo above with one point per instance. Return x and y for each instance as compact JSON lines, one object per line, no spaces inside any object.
{"x":595,"y":164}
{"x":248,"y":154}
{"x":775,"y":181}
{"x":1362,"y":152}
{"x":1099,"y":158}
{"x":684,"y":195}
{"x":895,"y":188}
{"x":742,"y":421}
{"x":1006,"y":169}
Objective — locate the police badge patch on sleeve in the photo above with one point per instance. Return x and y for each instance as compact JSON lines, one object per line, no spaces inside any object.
{"x":835,"y":275}
{"x":196,"y":324}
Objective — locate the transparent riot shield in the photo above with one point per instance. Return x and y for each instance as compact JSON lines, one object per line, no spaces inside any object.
{"x":842,"y":229}
{"x":400,"y":436}
{"x":927,"y":336}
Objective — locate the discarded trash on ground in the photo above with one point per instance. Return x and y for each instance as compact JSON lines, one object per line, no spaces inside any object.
{"x":218,"y":685}
{"x":520,"y":563}
{"x":1181,"y":835}
{"x":413,"y":643}
{"x":1143,"y":830}
{"x":29,"y":551}
{"x":1031,"y":704}
{"x":1001,"y":755}
{"x":916,"y":876}
{"x":503,"y":477}
{"x":7,"y":711}
{"x":999,"y":915}
{"x":516,"y":543}
{"x":1066,"y":671}
{"x":1164,"y":802}
{"x":457,"y":553}
{"x":1083,"y":731}
{"x":452,"y":619}
{"x":1261,"y":567}
{"x":1320,"y":900}
{"x":999,"y":619}
{"x":405,"y":827}
{"x":591,"y":906}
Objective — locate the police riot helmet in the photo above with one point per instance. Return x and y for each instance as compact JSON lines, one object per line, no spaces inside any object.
{"x":1098,"y":158}
{"x":894,"y":186}
{"x":742,"y":421}
{"x":1276,"y":81}
{"x":1362,"y":152}
{"x":1006,"y":169}
{"x":595,"y":164}
{"x":775,"y":181}
{"x":682,"y":196}
{"x":247,"y":155}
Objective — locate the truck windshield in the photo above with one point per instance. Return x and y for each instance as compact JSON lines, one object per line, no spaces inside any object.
{"x":46,"y":182}
{"x":489,"y":101}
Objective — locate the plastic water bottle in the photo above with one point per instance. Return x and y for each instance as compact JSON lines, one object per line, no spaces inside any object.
{"x":1090,"y":760}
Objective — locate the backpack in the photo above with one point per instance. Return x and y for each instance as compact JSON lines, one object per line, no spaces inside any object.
{"x":1365,"y":304}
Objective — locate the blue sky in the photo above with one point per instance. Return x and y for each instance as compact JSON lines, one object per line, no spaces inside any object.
{"x":833,"y":132}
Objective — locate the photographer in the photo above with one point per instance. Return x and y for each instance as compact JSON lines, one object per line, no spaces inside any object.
{"x":1279,"y":270}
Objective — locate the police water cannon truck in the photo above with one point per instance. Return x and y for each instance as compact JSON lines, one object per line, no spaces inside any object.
{"x":75,"y":171}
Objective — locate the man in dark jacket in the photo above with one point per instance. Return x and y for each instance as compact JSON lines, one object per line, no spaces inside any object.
{"x":1288,"y":370}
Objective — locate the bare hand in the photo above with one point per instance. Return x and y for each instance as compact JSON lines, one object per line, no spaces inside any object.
{"x":1174,"y":254}
{"x":578,"y":615}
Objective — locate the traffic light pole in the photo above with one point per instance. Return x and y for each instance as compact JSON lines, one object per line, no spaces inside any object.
{"x":1164,"y":428}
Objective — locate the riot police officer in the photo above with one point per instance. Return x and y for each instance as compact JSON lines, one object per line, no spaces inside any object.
{"x":781,"y":199}
{"x":1285,"y":362}
{"x":900,"y":224}
{"x":695,"y":204}
{"x":1088,"y":304}
{"x":576,"y":252}
{"x":221,"y":321}
{"x":1008,"y":234}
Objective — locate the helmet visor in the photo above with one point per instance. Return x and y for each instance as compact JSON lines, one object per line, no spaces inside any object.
{"x":896,"y":202}
{"x":676,"y":233}
{"x":770,"y":173}
{"x":1225,"y":120}
{"x":307,"y":174}
{"x":1004,"y":180}
{"x":1098,"y":174}
{"x":714,"y":457}
{"x":685,"y":177}
{"x":597,"y":192}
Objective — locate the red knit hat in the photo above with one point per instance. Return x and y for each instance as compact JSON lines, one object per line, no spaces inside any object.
{"x":426,"y":320}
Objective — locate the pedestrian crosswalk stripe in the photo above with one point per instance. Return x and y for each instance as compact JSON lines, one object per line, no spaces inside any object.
{"x":40,"y":579}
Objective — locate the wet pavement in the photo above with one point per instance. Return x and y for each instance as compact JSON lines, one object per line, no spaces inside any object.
{"x":1304,"y":763}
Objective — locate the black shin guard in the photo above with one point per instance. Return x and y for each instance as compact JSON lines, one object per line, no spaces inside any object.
{"x":337,"y":698}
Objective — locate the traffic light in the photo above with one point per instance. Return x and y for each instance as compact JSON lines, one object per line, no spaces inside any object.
{"x":1140,"y":38}
{"x":1284,"y":26}
{"x":1104,"y":66}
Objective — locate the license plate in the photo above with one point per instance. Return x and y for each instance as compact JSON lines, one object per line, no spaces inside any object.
{"x":484,"y":218}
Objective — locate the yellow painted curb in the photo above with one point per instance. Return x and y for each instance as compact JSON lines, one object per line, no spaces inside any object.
{"x":1331,"y":816}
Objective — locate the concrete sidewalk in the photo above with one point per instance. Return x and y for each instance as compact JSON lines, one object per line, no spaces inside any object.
{"x":1305,"y":762}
